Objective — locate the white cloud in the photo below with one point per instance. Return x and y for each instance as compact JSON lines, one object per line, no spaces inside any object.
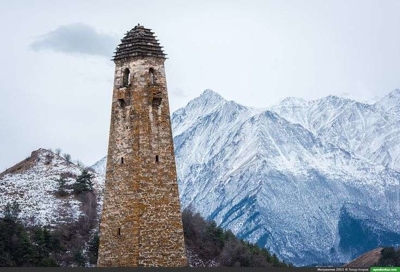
{"x":77,"y":38}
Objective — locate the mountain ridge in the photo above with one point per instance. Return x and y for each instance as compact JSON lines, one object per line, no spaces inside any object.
{"x":367,"y":130}
{"x":249,"y":153}
{"x":292,"y":156}
{"x":298,"y":192}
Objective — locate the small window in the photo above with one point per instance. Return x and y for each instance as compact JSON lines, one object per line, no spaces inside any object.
{"x":152,"y":79}
{"x":122,"y":103}
{"x":157,"y":160}
{"x":122,"y":160}
{"x":119,"y":231}
{"x":126,"y":78}
{"x":156,"y":101}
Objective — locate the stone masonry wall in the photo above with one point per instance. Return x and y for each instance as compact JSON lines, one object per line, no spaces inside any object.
{"x":141,"y":223}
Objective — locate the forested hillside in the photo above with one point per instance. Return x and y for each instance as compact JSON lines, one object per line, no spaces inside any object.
{"x":73,"y":244}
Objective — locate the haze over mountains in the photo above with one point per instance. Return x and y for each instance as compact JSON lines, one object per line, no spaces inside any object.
{"x":314,"y":181}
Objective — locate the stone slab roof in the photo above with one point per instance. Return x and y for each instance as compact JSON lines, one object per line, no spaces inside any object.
{"x":139,"y":41}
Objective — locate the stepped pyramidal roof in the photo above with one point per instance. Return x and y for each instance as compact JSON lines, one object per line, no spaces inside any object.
{"x":139,"y":41}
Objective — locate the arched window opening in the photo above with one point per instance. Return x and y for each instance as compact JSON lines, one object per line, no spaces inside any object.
{"x":152,"y":79}
{"x":126,"y":78}
{"x":157,"y":159}
{"x":122,"y":160}
{"x":122,"y":103}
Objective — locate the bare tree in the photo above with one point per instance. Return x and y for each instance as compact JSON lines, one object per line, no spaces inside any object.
{"x":67,"y":157}
{"x":79,"y":164}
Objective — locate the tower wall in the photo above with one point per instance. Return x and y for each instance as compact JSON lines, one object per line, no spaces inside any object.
{"x":141,"y":222}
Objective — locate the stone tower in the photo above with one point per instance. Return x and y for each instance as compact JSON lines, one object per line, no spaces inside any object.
{"x":141,"y":223}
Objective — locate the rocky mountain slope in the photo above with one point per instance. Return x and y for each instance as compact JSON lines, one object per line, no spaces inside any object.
{"x":33,"y":184}
{"x":279,"y":184}
{"x":371,"y":131}
{"x":367,"y":259}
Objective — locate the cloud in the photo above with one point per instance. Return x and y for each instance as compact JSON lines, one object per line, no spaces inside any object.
{"x":77,"y":38}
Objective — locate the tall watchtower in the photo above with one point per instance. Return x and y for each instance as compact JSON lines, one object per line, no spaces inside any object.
{"x":141,"y":223}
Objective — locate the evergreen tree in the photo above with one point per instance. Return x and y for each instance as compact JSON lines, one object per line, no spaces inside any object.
{"x":83,"y":182}
{"x":62,"y":186}
{"x":79,"y":258}
{"x":210,"y":242}
{"x":389,"y":257}
{"x":22,"y":246}
{"x":93,"y":248}
{"x":12,"y":211}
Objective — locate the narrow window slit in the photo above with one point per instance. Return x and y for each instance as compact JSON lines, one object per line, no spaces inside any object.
{"x":126,"y":79}
{"x":157,"y":160}
{"x":119,"y":231}
{"x":122,"y":103}
{"x":122,"y":160}
{"x":151,"y":72}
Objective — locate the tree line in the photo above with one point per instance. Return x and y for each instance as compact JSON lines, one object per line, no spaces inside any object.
{"x":69,"y":244}
{"x":389,"y":257}
{"x":75,"y":244}
{"x":216,"y":246}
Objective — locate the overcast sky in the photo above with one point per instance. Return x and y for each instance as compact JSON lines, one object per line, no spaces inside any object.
{"x":56,"y":76}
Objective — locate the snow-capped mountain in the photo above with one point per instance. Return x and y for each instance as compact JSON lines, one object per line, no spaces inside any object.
{"x":33,"y":184}
{"x":309,"y":180}
{"x":285,"y":184}
{"x":390,"y":103}
{"x":276,"y":183}
{"x":100,"y":167}
{"x":372,"y":131}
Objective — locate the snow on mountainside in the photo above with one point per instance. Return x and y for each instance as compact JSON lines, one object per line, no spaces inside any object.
{"x":276,"y":183}
{"x":390,"y":103}
{"x":33,"y":184}
{"x":100,"y":167}
{"x":184,"y":118}
{"x":309,"y":182}
{"x":371,"y":131}
{"x":283,"y":185}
